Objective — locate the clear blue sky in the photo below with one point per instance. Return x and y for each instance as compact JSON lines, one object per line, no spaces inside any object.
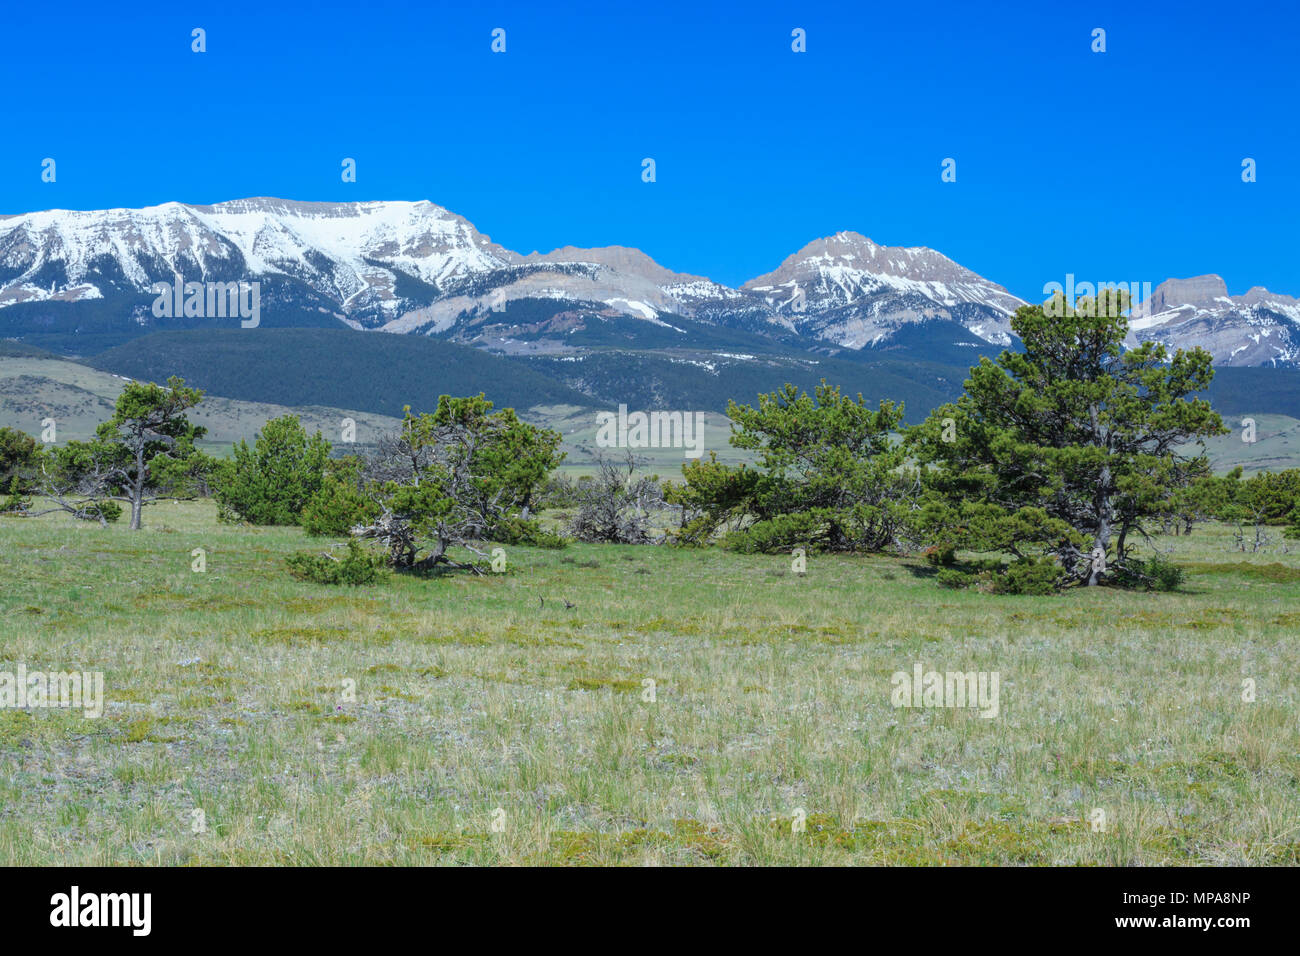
{"x":1122,"y":166}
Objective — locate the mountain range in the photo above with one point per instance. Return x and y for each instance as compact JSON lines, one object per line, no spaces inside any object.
{"x":81,"y":283}
{"x":1258,"y":328}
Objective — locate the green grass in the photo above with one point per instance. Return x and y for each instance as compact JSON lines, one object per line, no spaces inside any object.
{"x":225,"y":692}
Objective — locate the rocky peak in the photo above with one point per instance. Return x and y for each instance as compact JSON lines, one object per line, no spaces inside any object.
{"x":1203,"y":292}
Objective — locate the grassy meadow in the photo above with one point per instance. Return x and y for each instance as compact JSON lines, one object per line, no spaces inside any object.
{"x":491,"y":724}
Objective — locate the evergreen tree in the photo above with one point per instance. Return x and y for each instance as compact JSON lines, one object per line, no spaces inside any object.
{"x":459,"y":475}
{"x":1065,"y":448}
{"x":272,"y":482}
{"x":143,"y":452}
{"x":829,"y":474}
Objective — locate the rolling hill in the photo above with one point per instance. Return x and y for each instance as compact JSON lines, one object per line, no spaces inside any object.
{"x":78,"y":398}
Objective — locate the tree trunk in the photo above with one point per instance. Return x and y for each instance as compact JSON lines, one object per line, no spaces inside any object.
{"x":1103,"y":507}
{"x":1101,"y":543}
{"x":137,"y":488}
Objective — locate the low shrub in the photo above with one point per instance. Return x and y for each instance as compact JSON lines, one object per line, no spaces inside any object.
{"x":357,"y":567}
{"x":942,"y":556}
{"x":516,"y":530}
{"x":337,"y":508}
{"x":109,"y":511}
{"x":952,"y":578}
{"x":1154,"y":574}
{"x":1024,"y":576}
{"x":774,"y":535}
{"x":1030,"y":576}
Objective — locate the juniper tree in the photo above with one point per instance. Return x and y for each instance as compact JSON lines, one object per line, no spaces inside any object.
{"x":459,"y":475}
{"x":19,"y":465}
{"x":18,"y":459}
{"x":272,"y":482}
{"x":829,"y":473}
{"x":1065,"y":448}
{"x":143,"y":452}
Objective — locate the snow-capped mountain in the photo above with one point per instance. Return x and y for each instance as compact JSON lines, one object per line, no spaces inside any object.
{"x":851,"y":291}
{"x":366,"y":263}
{"x":416,"y":267}
{"x":1258,"y":328}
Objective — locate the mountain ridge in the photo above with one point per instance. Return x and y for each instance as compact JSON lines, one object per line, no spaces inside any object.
{"x":82,"y":281}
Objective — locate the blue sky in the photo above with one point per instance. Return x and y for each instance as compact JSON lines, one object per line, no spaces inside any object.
{"x":1122,"y":166}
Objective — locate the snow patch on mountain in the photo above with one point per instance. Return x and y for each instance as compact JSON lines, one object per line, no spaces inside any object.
{"x":415,"y":267}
